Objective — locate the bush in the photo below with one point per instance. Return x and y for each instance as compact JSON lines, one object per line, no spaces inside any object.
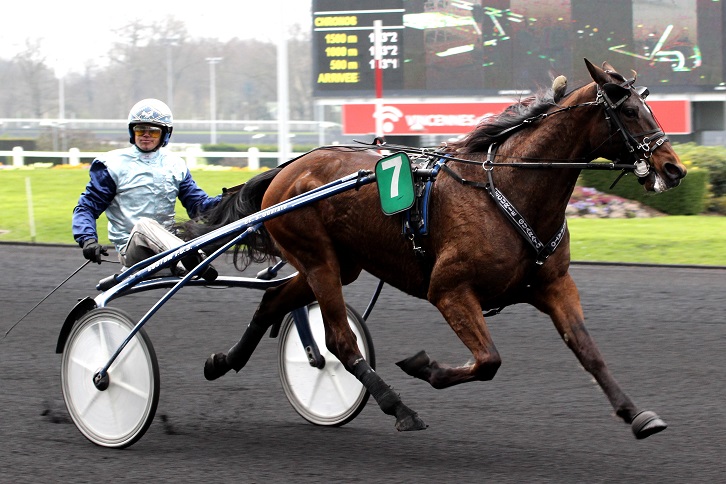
{"x":718,"y":205}
{"x":687,"y":199}
{"x":713,"y":160}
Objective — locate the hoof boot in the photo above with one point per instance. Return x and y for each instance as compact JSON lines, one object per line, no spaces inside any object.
{"x":216,"y":366}
{"x":647,"y":423}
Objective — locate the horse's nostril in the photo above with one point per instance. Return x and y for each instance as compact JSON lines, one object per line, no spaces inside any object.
{"x":675,"y":171}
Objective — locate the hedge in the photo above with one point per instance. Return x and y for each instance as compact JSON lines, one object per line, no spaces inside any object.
{"x":689,"y":198}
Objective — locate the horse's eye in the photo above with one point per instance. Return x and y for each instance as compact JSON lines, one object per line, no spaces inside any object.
{"x":630,"y":112}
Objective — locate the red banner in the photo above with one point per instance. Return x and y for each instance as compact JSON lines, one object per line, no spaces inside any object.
{"x":460,"y":118}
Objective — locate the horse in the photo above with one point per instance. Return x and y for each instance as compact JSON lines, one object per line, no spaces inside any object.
{"x":499,"y":189}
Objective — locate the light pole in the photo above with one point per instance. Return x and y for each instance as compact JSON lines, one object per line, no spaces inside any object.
{"x":61,"y":98}
{"x":170,"y":42}
{"x":283,"y":114}
{"x":60,"y":125}
{"x":213,"y":61}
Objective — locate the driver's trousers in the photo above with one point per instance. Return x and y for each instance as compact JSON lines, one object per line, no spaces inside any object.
{"x":148,"y":238}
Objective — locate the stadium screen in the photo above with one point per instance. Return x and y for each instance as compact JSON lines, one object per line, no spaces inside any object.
{"x":498,"y":47}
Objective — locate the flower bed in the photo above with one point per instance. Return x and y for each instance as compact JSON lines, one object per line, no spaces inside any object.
{"x":590,"y":203}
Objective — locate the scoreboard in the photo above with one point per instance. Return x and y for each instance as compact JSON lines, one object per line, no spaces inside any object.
{"x":479,"y":48}
{"x":344,"y":45}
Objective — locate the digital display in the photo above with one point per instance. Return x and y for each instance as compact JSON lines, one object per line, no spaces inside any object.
{"x":344,"y":44}
{"x":499,"y":47}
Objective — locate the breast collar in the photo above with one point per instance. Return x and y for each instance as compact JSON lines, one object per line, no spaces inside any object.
{"x":518,"y":221}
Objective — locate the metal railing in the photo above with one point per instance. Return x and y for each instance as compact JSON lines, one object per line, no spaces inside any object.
{"x":191,"y":155}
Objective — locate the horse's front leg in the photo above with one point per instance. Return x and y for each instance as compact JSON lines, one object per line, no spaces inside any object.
{"x":561,"y":301}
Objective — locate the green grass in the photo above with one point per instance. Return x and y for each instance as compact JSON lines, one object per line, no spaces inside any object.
{"x":699,"y":240}
{"x":681,"y":239}
{"x":55,"y":194}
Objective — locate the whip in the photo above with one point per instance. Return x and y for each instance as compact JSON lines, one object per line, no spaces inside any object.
{"x":46,"y":297}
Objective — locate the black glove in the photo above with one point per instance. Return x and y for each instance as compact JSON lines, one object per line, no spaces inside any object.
{"x":93,"y":251}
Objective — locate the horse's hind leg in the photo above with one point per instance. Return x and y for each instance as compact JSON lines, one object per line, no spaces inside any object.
{"x":340,"y":340}
{"x":561,"y":302}
{"x":325,"y":275}
{"x":276,"y":303}
{"x":462,"y":311}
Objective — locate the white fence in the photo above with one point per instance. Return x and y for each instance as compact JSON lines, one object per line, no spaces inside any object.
{"x":190,"y":154}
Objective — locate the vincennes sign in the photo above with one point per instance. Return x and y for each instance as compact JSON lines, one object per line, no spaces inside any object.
{"x":460,"y":118}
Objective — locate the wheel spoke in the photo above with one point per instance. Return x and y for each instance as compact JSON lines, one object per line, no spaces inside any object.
{"x":297,"y":357}
{"x":91,"y":401}
{"x":102,"y":341}
{"x":337,"y":380}
{"x":316,"y":384}
{"x":83,"y":364}
{"x":128,"y":349}
{"x":131,"y":389}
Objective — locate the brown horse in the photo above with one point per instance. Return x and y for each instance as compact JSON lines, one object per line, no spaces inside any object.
{"x":481,"y":251}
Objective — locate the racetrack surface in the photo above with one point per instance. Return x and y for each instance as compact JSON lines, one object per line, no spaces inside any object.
{"x":662,"y":331}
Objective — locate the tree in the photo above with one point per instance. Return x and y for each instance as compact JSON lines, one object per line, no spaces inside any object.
{"x":34,"y":82}
{"x":137,"y":67}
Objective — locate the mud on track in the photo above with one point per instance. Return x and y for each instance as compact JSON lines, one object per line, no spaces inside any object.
{"x":661,"y":330}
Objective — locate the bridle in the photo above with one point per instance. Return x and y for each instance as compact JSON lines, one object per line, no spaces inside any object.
{"x":611,"y":96}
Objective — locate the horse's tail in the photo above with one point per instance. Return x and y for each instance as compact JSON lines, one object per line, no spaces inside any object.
{"x":237,"y":203}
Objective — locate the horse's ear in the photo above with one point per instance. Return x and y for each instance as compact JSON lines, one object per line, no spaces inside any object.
{"x":559,"y":85}
{"x":598,"y":75}
{"x":607,"y":67}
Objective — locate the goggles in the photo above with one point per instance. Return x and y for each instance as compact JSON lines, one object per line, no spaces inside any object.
{"x":152,"y":131}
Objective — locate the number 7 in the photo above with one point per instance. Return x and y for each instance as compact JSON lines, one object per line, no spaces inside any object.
{"x":394,"y":163}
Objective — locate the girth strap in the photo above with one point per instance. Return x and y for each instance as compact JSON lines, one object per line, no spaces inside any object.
{"x":517,"y":220}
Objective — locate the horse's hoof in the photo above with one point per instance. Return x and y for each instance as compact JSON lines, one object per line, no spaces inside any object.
{"x":216,"y":366}
{"x":647,"y":423}
{"x":410,"y":422}
{"x":414,"y":364}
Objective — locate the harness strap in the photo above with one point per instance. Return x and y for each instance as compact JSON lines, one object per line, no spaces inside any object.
{"x":515,"y":218}
{"x":415,"y":220}
{"x":520,"y":223}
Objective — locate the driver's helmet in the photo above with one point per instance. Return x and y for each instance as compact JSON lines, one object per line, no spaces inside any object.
{"x":153,"y":112}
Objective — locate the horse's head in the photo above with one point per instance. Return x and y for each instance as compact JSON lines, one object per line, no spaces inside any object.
{"x":635,"y":134}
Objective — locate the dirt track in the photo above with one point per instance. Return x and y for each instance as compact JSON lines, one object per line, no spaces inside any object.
{"x":662,"y":331}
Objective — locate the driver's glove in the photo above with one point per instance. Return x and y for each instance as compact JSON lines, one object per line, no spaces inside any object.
{"x":93,"y":251}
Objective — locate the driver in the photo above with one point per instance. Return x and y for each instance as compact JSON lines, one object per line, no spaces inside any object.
{"x":137,"y":187}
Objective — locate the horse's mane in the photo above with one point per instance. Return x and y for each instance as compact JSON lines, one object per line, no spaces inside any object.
{"x":497,"y":128}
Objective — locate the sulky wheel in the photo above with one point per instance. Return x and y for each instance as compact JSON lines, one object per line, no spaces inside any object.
{"x":329,"y":396}
{"x":120,"y":414}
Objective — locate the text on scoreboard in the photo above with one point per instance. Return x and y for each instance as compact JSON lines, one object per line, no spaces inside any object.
{"x":344,"y":44}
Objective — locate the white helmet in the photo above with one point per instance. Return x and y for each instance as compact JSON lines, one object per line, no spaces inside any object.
{"x":153,"y":112}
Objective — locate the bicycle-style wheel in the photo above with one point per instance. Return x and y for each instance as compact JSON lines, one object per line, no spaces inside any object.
{"x":330,"y":396}
{"x":119,"y":415}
